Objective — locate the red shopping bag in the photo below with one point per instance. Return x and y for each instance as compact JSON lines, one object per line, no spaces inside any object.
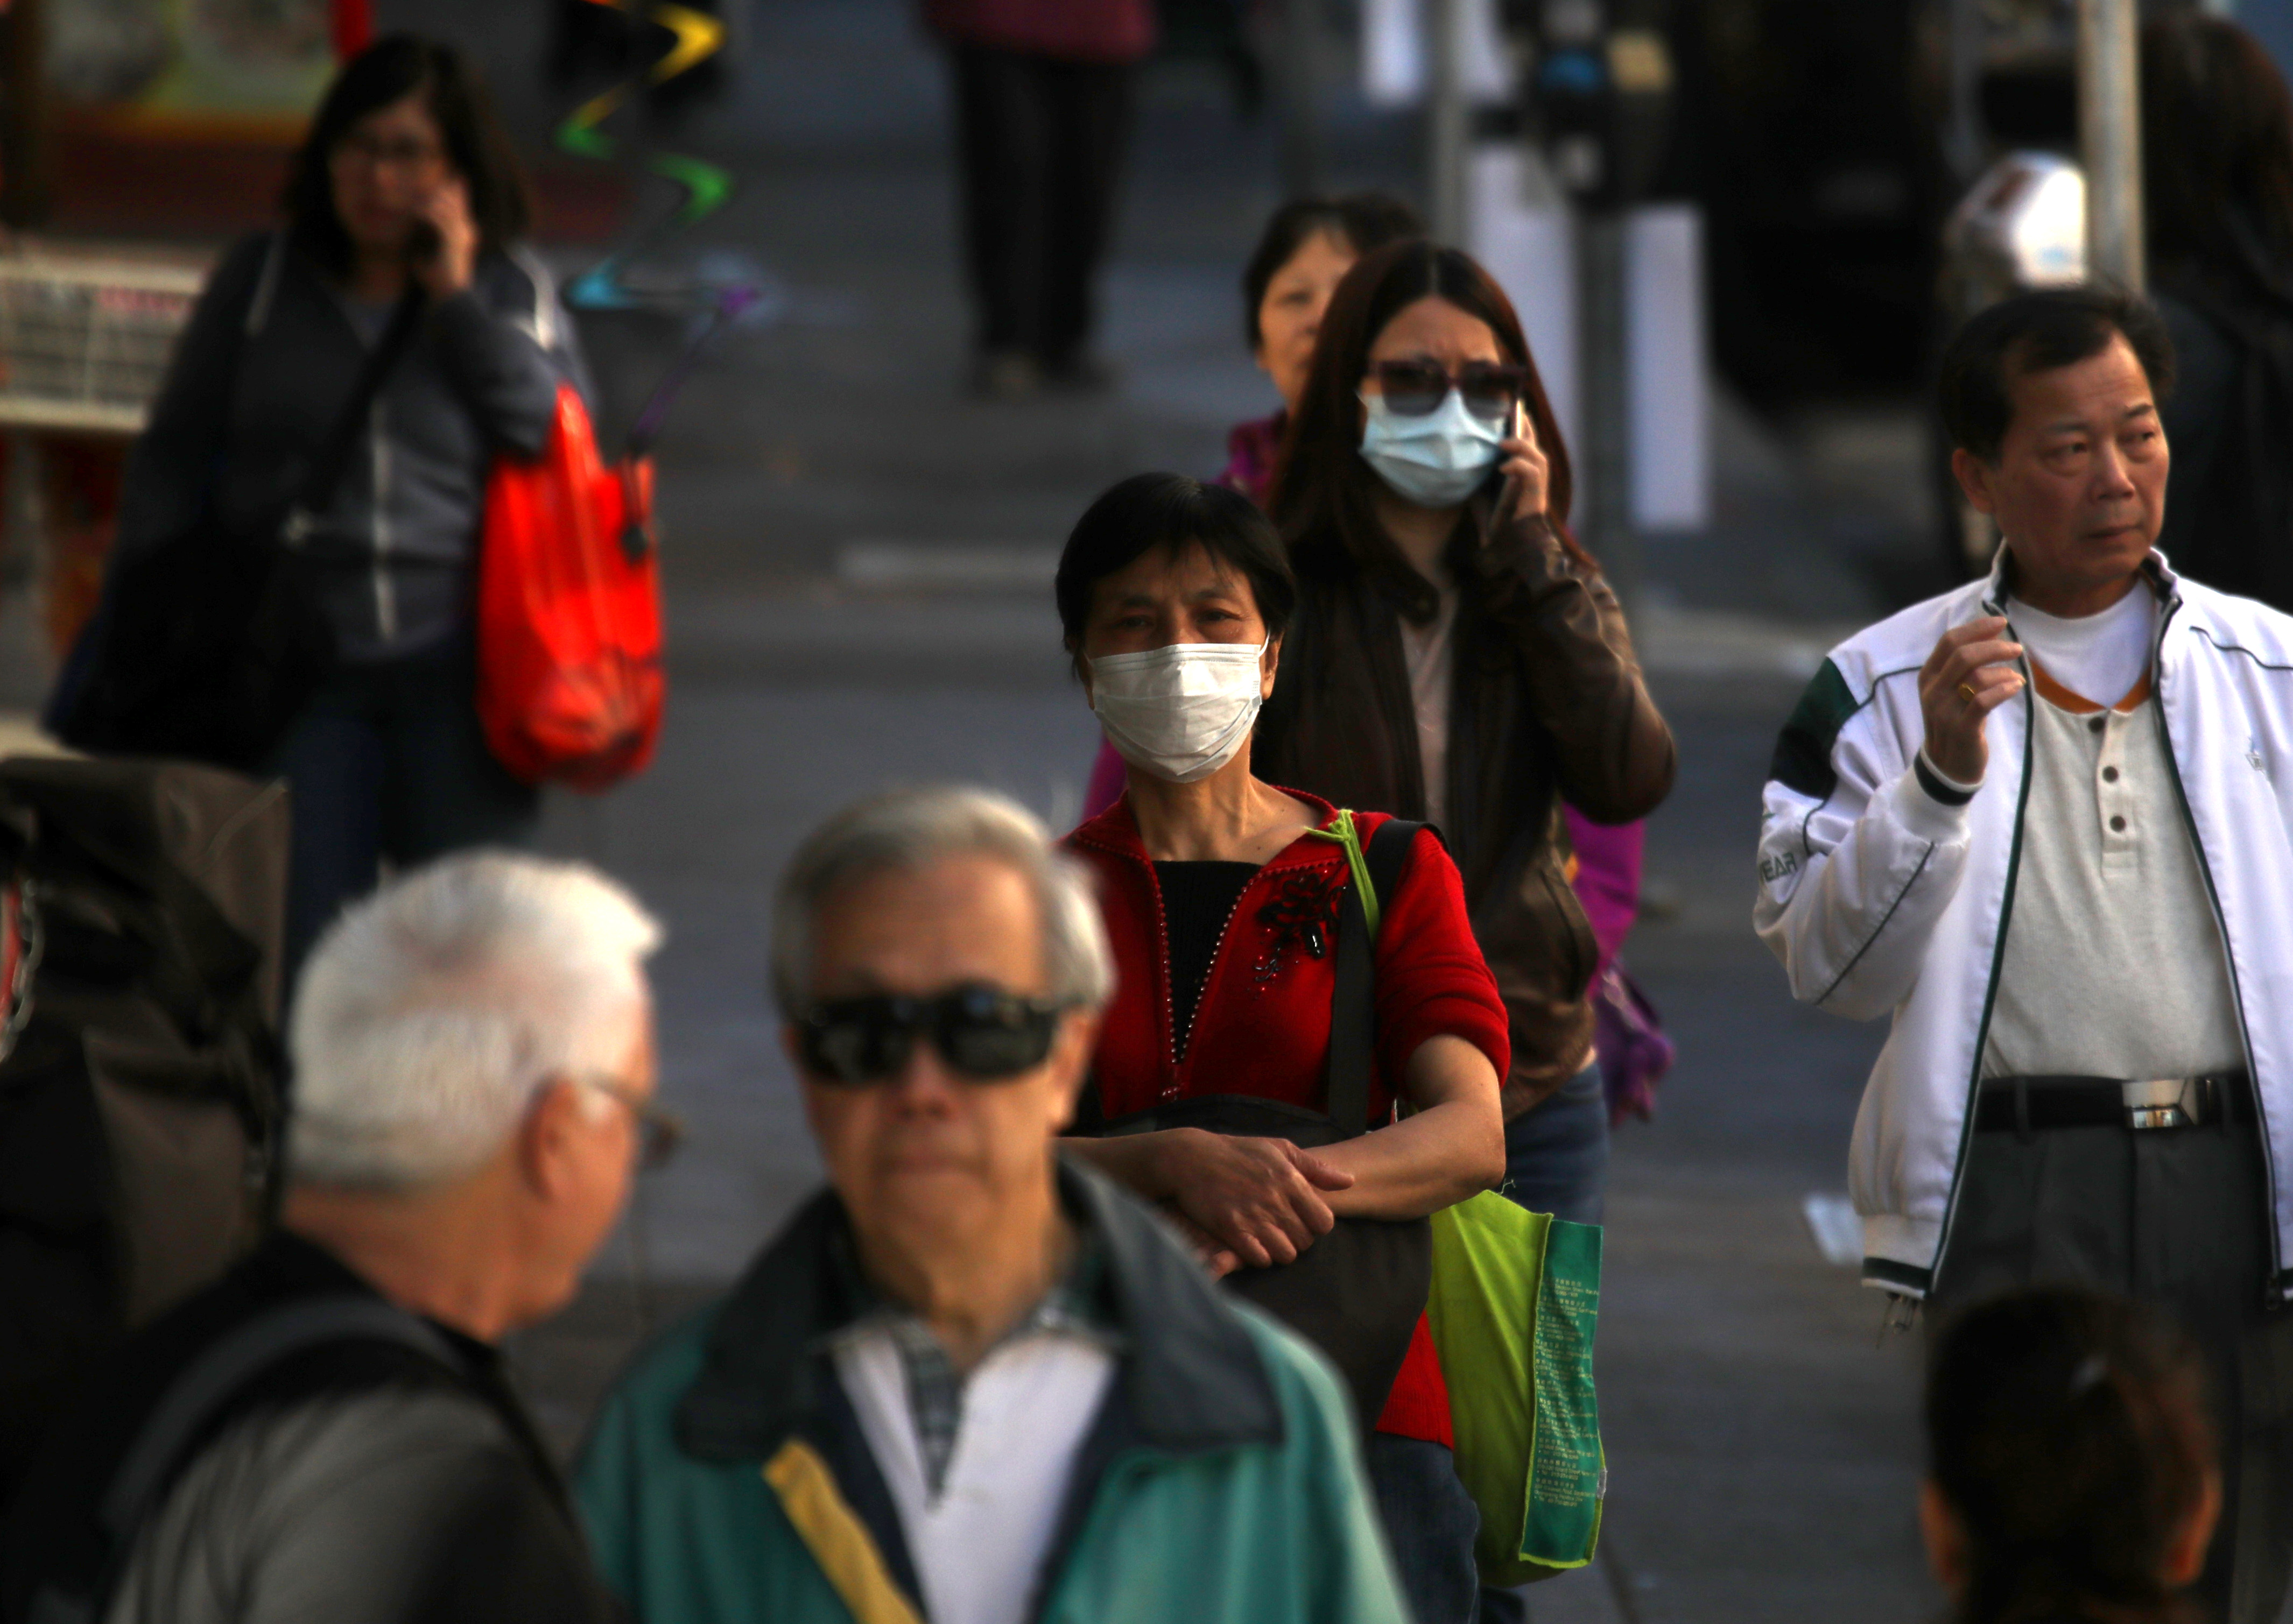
{"x":570,"y":682}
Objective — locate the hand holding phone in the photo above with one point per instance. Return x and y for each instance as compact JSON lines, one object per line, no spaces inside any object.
{"x":441,"y":245}
{"x":1523,"y":462}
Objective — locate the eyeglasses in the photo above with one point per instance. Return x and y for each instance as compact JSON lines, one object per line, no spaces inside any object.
{"x":1413,"y":388}
{"x":983,"y":1032}
{"x":659,"y":1131}
{"x":418,"y":155}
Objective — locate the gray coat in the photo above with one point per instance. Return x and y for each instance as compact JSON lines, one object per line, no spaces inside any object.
{"x":259,"y":378}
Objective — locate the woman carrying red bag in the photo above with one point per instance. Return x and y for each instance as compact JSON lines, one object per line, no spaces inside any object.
{"x":405,"y":181}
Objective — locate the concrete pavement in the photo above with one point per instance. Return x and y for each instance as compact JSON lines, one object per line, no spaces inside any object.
{"x":1762,"y":1445}
{"x":1761,"y":1438}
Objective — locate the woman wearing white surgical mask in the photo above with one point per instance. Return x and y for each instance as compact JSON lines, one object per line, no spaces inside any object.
{"x":1223,"y":897}
{"x":1456,"y":657}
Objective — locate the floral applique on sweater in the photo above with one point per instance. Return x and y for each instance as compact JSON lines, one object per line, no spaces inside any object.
{"x":1303,"y":914}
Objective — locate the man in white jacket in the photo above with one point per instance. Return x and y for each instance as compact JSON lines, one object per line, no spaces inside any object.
{"x":2044,"y":822}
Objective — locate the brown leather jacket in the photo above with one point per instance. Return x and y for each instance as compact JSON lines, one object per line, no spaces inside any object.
{"x":1548,"y":704}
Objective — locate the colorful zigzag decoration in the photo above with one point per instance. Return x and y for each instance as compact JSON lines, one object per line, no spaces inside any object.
{"x":695,"y":36}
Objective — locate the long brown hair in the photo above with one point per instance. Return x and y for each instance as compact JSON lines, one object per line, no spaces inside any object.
{"x":1322,"y":488}
{"x":2217,"y":149}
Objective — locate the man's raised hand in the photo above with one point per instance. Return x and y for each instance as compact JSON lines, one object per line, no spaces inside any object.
{"x":1970,"y":673}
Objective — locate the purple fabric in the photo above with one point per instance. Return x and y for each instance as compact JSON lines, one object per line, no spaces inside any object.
{"x":1251,"y":449}
{"x":1630,"y":1042}
{"x":1607,"y":880}
{"x":1628,"y":1036}
{"x":1068,"y":30}
{"x":1107,"y":782}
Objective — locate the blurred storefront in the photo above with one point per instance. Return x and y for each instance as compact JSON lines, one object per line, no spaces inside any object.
{"x":139,"y":133}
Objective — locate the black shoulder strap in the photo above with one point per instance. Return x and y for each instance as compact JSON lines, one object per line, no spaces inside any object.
{"x":208,"y":1385}
{"x":1353,"y":1002}
{"x":334,"y":452}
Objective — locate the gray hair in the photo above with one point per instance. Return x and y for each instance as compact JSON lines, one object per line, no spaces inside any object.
{"x":911,"y":828}
{"x":434,"y":1010}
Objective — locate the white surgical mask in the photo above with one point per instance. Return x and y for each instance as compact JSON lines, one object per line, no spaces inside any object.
{"x":1435,"y":460}
{"x":1180,"y":713}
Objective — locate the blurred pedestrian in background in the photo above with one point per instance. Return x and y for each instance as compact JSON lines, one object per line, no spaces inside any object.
{"x":2040,"y":823}
{"x":405,"y":180}
{"x":1222,"y":896}
{"x":1304,"y":253}
{"x":969,"y":1382}
{"x":327,"y":1433}
{"x":1042,"y":114}
{"x":2217,"y":184}
{"x":1457,"y":658}
{"x":2071,"y":1464}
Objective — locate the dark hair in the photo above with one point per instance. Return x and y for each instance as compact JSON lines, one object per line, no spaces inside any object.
{"x":1366,"y":220}
{"x":1322,"y":488}
{"x":2068,"y":1430}
{"x":1169,"y":510}
{"x":2217,"y":151}
{"x":389,"y":70}
{"x":2038,"y":332}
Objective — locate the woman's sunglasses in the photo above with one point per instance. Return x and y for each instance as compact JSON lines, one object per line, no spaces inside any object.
{"x":1412,"y":389}
{"x":983,"y":1032}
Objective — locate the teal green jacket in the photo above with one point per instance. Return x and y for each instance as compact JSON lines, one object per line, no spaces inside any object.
{"x":726,"y":1481}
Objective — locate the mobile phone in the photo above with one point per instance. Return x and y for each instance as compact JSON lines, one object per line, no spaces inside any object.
{"x":1509,"y":493}
{"x":423,"y":241}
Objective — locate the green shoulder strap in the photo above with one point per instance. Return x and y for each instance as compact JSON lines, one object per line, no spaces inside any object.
{"x":1377,"y":871}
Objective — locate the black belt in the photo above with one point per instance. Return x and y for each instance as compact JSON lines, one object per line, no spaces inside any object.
{"x":2020,"y":1104}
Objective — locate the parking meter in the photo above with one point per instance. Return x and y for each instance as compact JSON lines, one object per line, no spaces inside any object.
{"x":1600,"y":92}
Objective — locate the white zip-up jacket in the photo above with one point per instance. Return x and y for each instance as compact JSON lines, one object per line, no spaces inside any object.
{"x":1880,"y":901}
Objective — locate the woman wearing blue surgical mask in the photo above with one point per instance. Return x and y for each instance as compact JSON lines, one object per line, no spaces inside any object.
{"x":1224,"y":900}
{"x":1456,"y":657}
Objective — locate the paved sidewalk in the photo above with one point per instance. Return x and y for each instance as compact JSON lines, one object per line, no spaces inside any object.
{"x":1762,"y":1447}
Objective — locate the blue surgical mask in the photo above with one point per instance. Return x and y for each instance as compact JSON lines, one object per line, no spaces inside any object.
{"x":1436,"y":460}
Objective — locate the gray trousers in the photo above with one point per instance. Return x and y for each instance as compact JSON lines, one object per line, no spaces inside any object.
{"x":2176,"y":1219}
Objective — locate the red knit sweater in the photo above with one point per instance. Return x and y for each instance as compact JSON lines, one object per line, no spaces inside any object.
{"x":1262,"y":1024}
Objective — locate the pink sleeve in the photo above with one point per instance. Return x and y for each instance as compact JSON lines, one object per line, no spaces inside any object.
{"x":1106,"y":783}
{"x":1608,"y":879}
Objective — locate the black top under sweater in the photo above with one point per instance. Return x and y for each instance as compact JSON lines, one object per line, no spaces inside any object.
{"x":1198,"y":898}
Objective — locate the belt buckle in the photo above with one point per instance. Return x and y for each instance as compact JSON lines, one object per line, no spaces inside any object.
{"x":2175,"y":1101}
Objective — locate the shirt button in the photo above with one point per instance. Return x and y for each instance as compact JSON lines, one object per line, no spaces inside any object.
{"x":2098,"y":724}
{"x":2109,"y":775}
{"x":2118,"y":826}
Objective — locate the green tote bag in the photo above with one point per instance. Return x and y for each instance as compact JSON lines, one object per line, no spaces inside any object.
{"x":1516,"y":1296}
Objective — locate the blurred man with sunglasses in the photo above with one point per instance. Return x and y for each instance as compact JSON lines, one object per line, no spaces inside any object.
{"x":327,"y":1432}
{"x":969,"y":1382}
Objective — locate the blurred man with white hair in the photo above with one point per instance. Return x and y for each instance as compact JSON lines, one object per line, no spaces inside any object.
{"x":325,"y":1432}
{"x":971,"y":1382}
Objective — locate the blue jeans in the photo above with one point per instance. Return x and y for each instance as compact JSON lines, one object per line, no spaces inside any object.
{"x":1430,"y":1525}
{"x":388,"y":761}
{"x":1557,"y":1153}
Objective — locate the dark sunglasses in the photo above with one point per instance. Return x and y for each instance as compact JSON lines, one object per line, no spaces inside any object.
{"x":983,"y":1032}
{"x":1415,"y":388}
